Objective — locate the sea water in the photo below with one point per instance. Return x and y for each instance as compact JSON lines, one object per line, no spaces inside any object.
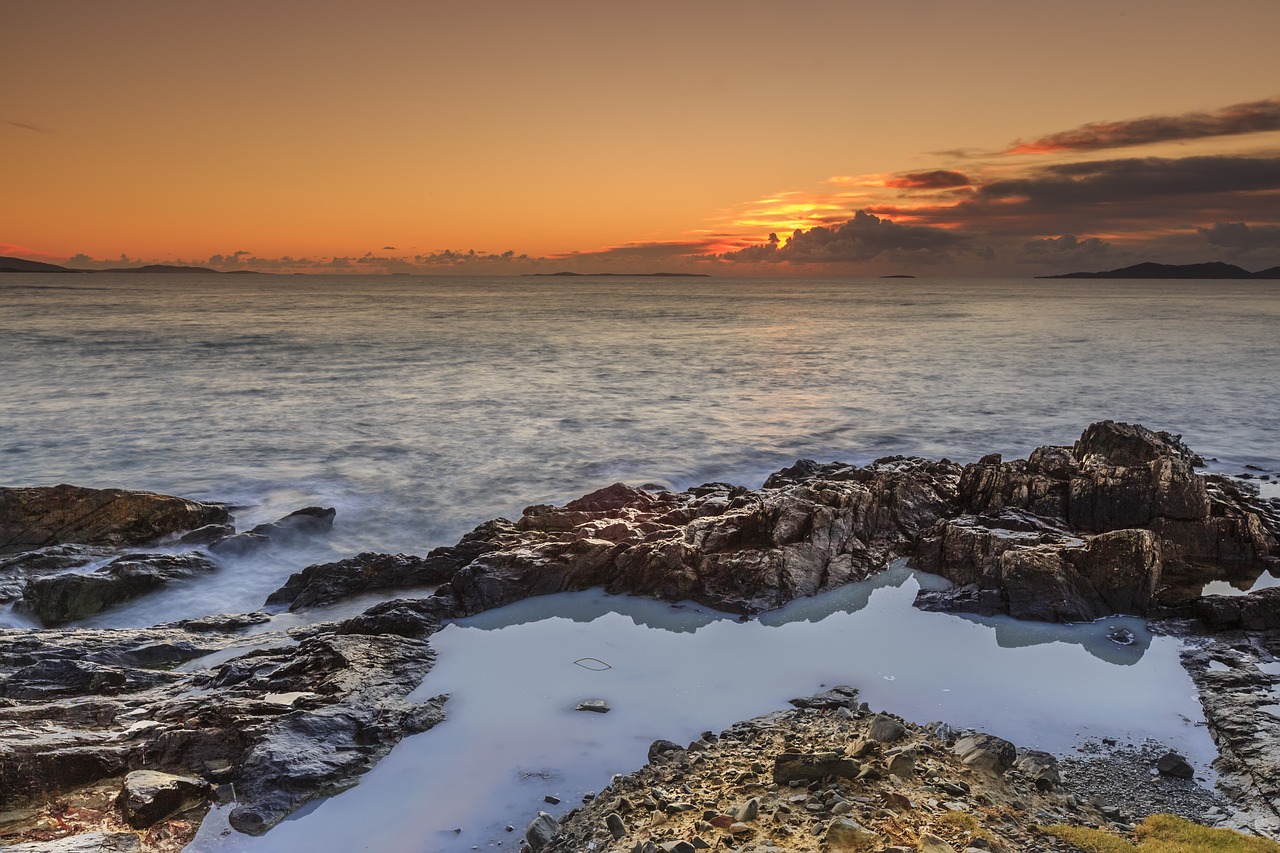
{"x":419,"y":407}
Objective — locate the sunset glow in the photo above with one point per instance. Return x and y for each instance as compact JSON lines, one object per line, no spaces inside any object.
{"x":516,"y":139}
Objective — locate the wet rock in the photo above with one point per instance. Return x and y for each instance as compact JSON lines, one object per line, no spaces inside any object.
{"x":1257,"y":611}
{"x":326,"y":583}
{"x":65,"y":598}
{"x":598,"y":706}
{"x":840,"y":696}
{"x":293,"y":528}
{"x":37,"y":517}
{"x":148,"y":796}
{"x":207,"y":535}
{"x":1173,"y":764}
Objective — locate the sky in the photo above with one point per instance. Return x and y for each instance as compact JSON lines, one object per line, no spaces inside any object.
{"x":738,"y":139}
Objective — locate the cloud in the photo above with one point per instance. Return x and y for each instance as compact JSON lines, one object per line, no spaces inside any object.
{"x":26,"y":125}
{"x":1133,"y":178}
{"x":1238,"y":235}
{"x":1252,"y":117}
{"x":862,"y":238}
{"x":938,"y":179}
{"x":1055,"y":248}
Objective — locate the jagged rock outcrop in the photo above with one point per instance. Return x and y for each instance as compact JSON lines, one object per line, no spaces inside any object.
{"x":732,"y":548}
{"x":37,"y":517}
{"x":1118,"y":523}
{"x":288,"y":719}
{"x":293,"y":528}
{"x":65,"y":598}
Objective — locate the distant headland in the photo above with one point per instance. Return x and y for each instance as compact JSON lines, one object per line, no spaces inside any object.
{"x":23,"y":265}
{"x":566,"y":274}
{"x":1212,"y":270}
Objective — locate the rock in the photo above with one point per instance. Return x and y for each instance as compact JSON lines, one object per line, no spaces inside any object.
{"x":1257,"y":611}
{"x":65,"y":598}
{"x":326,"y":583}
{"x":148,"y":796}
{"x":32,"y":518}
{"x":293,"y":528}
{"x":1173,"y":764}
{"x":541,"y":831}
{"x":599,"y":706}
{"x":747,"y":811}
{"x":663,"y":748}
{"x":886,"y":729}
{"x":845,"y":834}
{"x":840,"y":696}
{"x":986,"y":752}
{"x":86,"y":842}
{"x":903,"y":765}
{"x":207,"y":535}
{"x":930,"y":843}
{"x":613,"y":821}
{"x":812,"y":767}
{"x":1041,"y":768}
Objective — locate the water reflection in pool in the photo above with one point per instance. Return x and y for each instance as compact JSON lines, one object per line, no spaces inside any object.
{"x":513,"y":736}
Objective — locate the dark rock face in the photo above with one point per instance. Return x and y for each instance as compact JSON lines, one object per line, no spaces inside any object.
{"x":148,"y":796}
{"x":64,"y":598}
{"x":37,"y":517}
{"x":1119,"y":523}
{"x":284,"y":722}
{"x":734,"y":549}
{"x":293,"y":528}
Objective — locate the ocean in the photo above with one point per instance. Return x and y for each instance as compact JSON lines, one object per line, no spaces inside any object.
{"x":420,"y":407}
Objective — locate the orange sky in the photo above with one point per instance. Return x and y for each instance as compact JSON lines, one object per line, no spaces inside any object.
{"x":640,"y":135}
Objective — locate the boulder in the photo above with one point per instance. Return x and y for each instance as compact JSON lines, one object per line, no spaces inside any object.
{"x":325,"y":583}
{"x":64,"y":598}
{"x":812,"y":767}
{"x":886,"y":729}
{"x":37,"y":517}
{"x":986,"y":752}
{"x":85,"y":842}
{"x":541,"y":831}
{"x":290,"y":530}
{"x":149,"y":796}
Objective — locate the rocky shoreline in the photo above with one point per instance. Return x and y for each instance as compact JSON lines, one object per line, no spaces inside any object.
{"x":1121,"y":522}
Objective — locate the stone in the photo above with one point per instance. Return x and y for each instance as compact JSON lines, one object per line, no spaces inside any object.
{"x":845,"y":834}
{"x":32,"y":518}
{"x":986,"y":752}
{"x":903,"y":764}
{"x":295,"y":527}
{"x":613,"y":821}
{"x":1173,"y":764}
{"x":747,"y":811}
{"x":85,"y":842}
{"x":812,"y":766}
{"x":67,"y":597}
{"x":837,"y":698}
{"x":598,"y":706}
{"x":930,"y":843}
{"x":1040,"y":767}
{"x":148,"y":796}
{"x":541,"y":831}
{"x":885,"y":729}
{"x":662,"y":748}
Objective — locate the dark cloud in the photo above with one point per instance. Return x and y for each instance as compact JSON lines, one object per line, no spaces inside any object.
{"x":862,"y":238}
{"x":388,"y":248}
{"x":654,"y":251}
{"x":1139,"y":177}
{"x":938,"y":179}
{"x":1238,"y":235}
{"x":1253,"y":117}
{"x":1054,"y":248}
{"x":26,"y":125}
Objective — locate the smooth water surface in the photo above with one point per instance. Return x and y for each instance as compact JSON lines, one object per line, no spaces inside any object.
{"x":512,"y":735}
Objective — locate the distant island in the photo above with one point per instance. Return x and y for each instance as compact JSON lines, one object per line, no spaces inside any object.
{"x":616,"y":275}
{"x":1212,"y":270}
{"x":899,"y":275}
{"x":23,"y":265}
